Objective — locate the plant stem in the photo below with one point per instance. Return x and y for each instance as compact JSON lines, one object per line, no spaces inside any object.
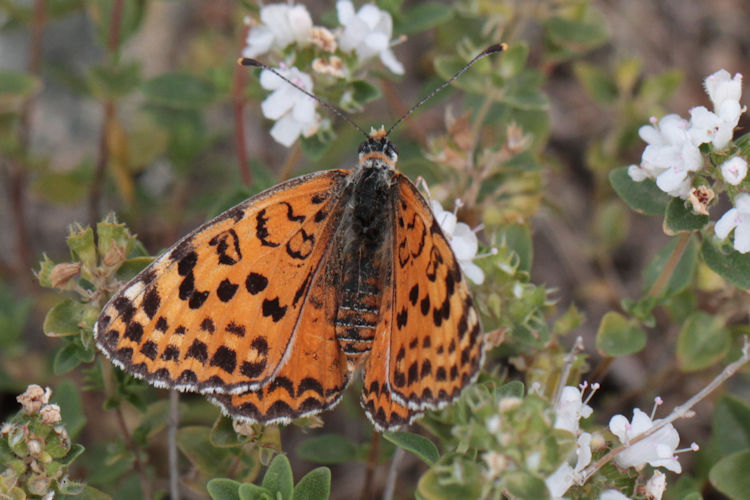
{"x":670,"y":266}
{"x":291,"y":160}
{"x":108,"y":112}
{"x":372,"y":463}
{"x":390,"y":483}
{"x":240,"y":74}
{"x":172,"y":422}
{"x":682,"y":411}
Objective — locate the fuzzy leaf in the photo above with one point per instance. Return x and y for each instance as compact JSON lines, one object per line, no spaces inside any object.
{"x":278,"y":478}
{"x":416,"y":444}
{"x":727,"y":263}
{"x":703,"y":341}
{"x":730,"y":476}
{"x":315,"y":485}
{"x":643,"y":197}
{"x":328,"y":449}
{"x":619,"y":336}
{"x":680,"y":218}
{"x":223,"y":489}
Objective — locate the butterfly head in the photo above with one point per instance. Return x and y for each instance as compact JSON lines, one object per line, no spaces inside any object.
{"x":377,"y":147}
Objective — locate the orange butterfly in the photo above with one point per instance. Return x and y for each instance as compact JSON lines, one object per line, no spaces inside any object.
{"x":270,"y":307}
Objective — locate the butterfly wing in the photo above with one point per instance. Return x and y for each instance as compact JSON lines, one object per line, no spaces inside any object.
{"x":220,"y":310}
{"x":430,"y":347}
{"x":315,"y":375}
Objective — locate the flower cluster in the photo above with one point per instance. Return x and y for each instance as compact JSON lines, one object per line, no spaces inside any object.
{"x":676,"y":151}
{"x":38,"y":449}
{"x":658,"y":449}
{"x":366,"y":33}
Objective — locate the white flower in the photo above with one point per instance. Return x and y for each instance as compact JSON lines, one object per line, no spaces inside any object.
{"x":613,"y":495}
{"x":282,"y":25}
{"x":570,"y":409}
{"x":367,"y":32}
{"x":656,"y":485}
{"x":669,"y":156}
{"x":293,"y":111}
{"x":737,"y":218}
{"x":717,"y":126}
{"x":463,"y":241}
{"x":566,"y":475}
{"x":657,"y":449}
{"x":720,"y":87}
{"x":734,"y":170}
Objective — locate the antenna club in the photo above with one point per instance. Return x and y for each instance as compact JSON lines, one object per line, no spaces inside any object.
{"x":492,"y":49}
{"x":246,"y":61}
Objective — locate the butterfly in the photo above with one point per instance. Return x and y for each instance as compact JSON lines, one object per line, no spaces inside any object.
{"x":271,"y":307}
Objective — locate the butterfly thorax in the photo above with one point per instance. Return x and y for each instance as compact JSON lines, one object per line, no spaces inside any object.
{"x":365,"y":249}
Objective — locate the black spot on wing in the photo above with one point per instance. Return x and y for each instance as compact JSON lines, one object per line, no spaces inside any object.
{"x":187,"y":263}
{"x":236,"y":329}
{"x":225,"y":358}
{"x":256,"y":283}
{"x":272,"y":309}
{"x":149,"y":350}
{"x":261,"y":231}
{"x":198,"y":351}
{"x":226,"y":290}
{"x":290,"y":213}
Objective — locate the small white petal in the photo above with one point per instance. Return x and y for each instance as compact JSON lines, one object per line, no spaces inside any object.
{"x":300,"y":23}
{"x":742,"y":202}
{"x":618,"y":425}
{"x":388,"y":58}
{"x":651,"y":135}
{"x":742,"y":236}
{"x":730,"y":111}
{"x":259,"y":41}
{"x":671,"y":178}
{"x":370,"y":14}
{"x":734,"y":170}
{"x":560,"y":481}
{"x":726,"y":223}
{"x":464,"y":242}
{"x":286,"y":130}
{"x":472,"y":271}
{"x":276,"y":104}
{"x":345,"y":11}
{"x":613,"y":495}
{"x":637,"y":173}
{"x":304,"y":110}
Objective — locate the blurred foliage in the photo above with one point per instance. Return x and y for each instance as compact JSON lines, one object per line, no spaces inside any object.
{"x":163,"y":154}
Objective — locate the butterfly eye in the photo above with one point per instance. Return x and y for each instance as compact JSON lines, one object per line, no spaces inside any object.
{"x":392,"y":150}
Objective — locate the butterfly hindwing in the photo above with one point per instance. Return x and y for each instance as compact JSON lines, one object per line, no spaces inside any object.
{"x":312,"y":379}
{"x":219,"y":311}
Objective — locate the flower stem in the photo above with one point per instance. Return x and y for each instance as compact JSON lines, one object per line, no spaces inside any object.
{"x":240,"y":147}
{"x":682,"y":411}
{"x":670,"y":266}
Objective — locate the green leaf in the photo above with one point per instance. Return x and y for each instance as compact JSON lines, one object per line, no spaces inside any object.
{"x":416,"y":444}
{"x":88,"y":493}
{"x":114,"y":81}
{"x":194,"y":443}
{"x":683,"y":272}
{"x":680,"y":218}
{"x":424,"y":16}
{"x":179,"y":90}
{"x":431,"y":486}
{"x":517,"y":237}
{"x":64,"y":319}
{"x":328,"y":449}
{"x":131,"y":267}
{"x":522,"y":484}
{"x":364,"y":91}
{"x":730,"y":475}
{"x":575,"y":32}
{"x":524,"y":91}
{"x":15,"y":88}
{"x":223,"y":489}
{"x":703,"y":341}
{"x":619,"y":336}
{"x":315,"y":485}
{"x":278,"y":478}
{"x":67,"y":358}
{"x":76,"y":450}
{"x":66,"y":395}
{"x":513,"y":389}
{"x":659,"y":88}
{"x":643,"y":197}
{"x":731,"y":425}
{"x":249,"y":491}
{"x":81,"y":244}
{"x":598,"y":84}
{"x":727,"y":263}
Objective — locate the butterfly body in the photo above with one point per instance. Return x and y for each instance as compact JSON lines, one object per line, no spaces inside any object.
{"x":272,"y":306}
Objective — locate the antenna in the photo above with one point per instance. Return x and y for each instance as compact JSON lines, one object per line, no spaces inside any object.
{"x":492,"y":49}
{"x":246,"y":61}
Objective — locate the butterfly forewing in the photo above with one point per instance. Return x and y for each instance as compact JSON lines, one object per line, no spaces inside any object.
{"x":220,"y":311}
